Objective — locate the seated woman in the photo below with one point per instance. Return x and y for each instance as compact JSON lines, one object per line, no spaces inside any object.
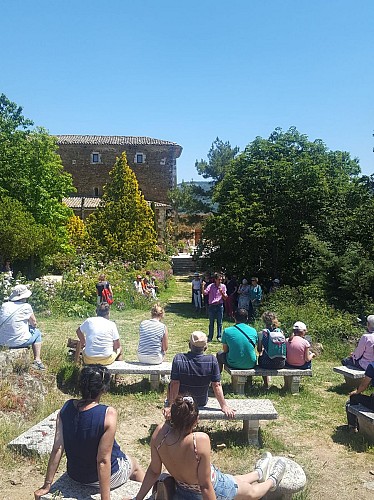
{"x":18,"y":324}
{"x":271,"y":345}
{"x":356,"y":397}
{"x":186,"y":455}
{"x":153,"y":338}
{"x":298,"y":354}
{"x":364,"y":352}
{"x":85,"y":429}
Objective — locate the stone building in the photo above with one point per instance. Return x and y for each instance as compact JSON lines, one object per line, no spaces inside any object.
{"x":89,"y":159}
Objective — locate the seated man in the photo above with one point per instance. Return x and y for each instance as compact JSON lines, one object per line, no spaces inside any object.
{"x":100,"y":339}
{"x":356,"y":397}
{"x":239,"y":344}
{"x":193,"y":372}
{"x":18,"y":324}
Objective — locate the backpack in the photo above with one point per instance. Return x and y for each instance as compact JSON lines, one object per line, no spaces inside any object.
{"x":277,"y":344}
{"x":106,"y":296}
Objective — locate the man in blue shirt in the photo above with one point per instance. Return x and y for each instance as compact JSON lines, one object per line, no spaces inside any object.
{"x":239,"y":344}
{"x":193,"y":372}
{"x":356,"y":397}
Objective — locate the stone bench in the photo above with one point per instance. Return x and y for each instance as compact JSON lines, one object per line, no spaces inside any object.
{"x":136,"y":368}
{"x":39,"y":438}
{"x":365,"y":419}
{"x":250,"y":411}
{"x":67,"y":489}
{"x":292,"y":377}
{"x":352,"y":376}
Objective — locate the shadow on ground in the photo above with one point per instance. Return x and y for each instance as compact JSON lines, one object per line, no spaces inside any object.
{"x":355,"y":442}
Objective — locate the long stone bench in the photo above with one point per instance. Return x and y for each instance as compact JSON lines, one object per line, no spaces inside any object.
{"x":135,"y":368}
{"x":352,"y":376}
{"x":39,"y":438}
{"x":67,"y":489}
{"x":365,"y":419}
{"x":250,"y":411}
{"x":292,"y":377}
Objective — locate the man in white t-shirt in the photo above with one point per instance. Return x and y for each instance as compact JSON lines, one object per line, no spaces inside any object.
{"x":18,"y":324}
{"x":100,"y":338}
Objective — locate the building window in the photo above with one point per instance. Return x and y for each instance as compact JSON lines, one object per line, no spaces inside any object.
{"x":96,"y":191}
{"x":139,"y":158}
{"x":95,"y":157}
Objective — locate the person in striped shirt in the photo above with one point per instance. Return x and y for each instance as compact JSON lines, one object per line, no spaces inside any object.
{"x":153,"y":338}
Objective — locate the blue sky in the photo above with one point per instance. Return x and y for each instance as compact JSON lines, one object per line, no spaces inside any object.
{"x":189,"y":71}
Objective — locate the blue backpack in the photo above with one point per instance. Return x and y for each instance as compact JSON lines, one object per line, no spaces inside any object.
{"x":277,"y":344}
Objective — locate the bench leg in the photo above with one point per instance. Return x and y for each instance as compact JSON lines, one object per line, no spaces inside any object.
{"x":352,"y":383}
{"x":155,"y":379}
{"x":366,"y":428}
{"x":238,"y":383}
{"x":250,"y":429}
{"x":292,"y":384}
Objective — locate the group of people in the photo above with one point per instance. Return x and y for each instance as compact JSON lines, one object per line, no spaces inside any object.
{"x":146,"y":286}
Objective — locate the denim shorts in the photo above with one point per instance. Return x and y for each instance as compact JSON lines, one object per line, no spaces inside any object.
{"x":225,"y":488}
{"x":35,"y":338}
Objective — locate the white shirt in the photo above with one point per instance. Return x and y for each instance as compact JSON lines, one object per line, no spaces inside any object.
{"x":100,"y":334}
{"x":14,"y":323}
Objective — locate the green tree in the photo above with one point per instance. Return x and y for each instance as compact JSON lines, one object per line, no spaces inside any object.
{"x":123,"y":225}
{"x":219,"y":158}
{"x":30,"y":168}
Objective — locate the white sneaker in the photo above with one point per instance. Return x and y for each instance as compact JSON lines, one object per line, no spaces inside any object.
{"x":277,"y":472}
{"x":263,"y":465}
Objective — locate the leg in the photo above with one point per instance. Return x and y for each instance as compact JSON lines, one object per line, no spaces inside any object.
{"x":219,"y":321}
{"x":36,"y":348}
{"x":137,"y":472}
{"x":267,"y":381}
{"x":221,"y":358}
{"x":249,"y":490}
{"x":211,"y":322}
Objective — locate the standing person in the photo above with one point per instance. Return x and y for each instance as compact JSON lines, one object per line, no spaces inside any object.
{"x":271,"y":345}
{"x":100,"y":338}
{"x":356,"y":397}
{"x":255,"y":297}
{"x":232,"y":289}
{"x":239,"y":344}
{"x":193,"y":372}
{"x":18,"y":324}
{"x":100,"y":287}
{"x":364,"y":352}
{"x":297,"y":348}
{"x":186,"y":454}
{"x":243,"y":295}
{"x":85,"y":430}
{"x":196,"y":285}
{"x":153,"y":338}
{"x":216,"y":293}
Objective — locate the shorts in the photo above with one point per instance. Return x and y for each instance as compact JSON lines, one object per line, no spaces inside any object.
{"x":100,"y":360}
{"x":35,"y":338}
{"x":151,"y":359}
{"x":225,"y":488}
{"x":120,"y":476}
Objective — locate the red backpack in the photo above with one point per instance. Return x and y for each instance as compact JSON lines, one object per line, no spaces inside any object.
{"x":106,"y":296}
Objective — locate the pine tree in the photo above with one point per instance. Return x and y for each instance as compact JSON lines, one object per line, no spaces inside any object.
{"x":123,"y":225}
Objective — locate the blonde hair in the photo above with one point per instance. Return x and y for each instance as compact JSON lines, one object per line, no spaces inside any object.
{"x":270,"y":319}
{"x":102,"y":277}
{"x":157,"y":311}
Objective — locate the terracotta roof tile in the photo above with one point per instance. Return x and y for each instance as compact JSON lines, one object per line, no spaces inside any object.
{"x":76,"y":202}
{"x":96,"y":140}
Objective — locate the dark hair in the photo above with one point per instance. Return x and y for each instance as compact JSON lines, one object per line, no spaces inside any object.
{"x":93,"y":380}
{"x":103,"y":309}
{"x":184,"y":413}
{"x":217,"y":276}
{"x":241,"y":315}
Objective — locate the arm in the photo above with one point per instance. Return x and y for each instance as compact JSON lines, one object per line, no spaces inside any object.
{"x":173,"y":392}
{"x":104,"y":452}
{"x":218,"y":392}
{"x":81,"y":337}
{"x":364,"y":384}
{"x":360,"y":349}
{"x":32,"y":320}
{"x":116,"y":345}
{"x":225,"y":348}
{"x":54,"y":460}
{"x":154,"y":468}
{"x":207,"y":289}
{"x":203,"y":470}
{"x":308,"y":355}
{"x":164,"y":343}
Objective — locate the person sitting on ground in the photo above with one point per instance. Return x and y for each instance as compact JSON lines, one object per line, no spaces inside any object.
{"x":271,"y":345}
{"x":149,"y":285}
{"x":298,"y":354}
{"x":364,"y":352}
{"x":18,"y":324}
{"x":85,"y":430}
{"x":100,"y":338}
{"x":239,"y":344}
{"x":186,"y":454}
{"x":100,"y":287}
{"x":153,"y":338}
{"x":356,"y":397}
{"x":196,"y":285}
{"x":193,"y":372}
